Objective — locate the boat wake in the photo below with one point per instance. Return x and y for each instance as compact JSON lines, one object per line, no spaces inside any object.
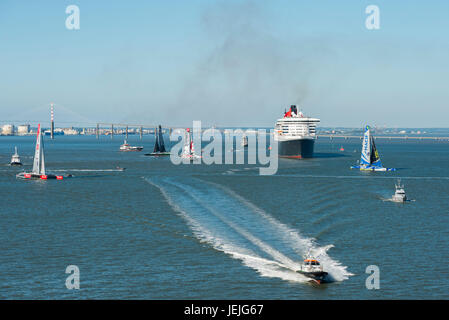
{"x":231,"y":224}
{"x":392,"y":200}
{"x":359,"y":177}
{"x":88,"y":170}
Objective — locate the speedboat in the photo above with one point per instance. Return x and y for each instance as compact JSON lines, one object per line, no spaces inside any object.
{"x":311,"y":268}
{"x":15,"y":159}
{"x":126,"y":147}
{"x":399,"y":195}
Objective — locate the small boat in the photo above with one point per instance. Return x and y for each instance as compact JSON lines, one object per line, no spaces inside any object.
{"x":39,"y":163}
{"x":126,"y":147}
{"x":244,"y":141}
{"x":120,"y":169}
{"x":189,"y":148}
{"x":370,"y":159}
{"x":159,"y":146}
{"x":311,"y":268}
{"x":399,"y":195}
{"x":15,"y":159}
{"x":342,"y":149}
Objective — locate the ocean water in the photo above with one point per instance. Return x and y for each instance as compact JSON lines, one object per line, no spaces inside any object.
{"x":161,"y":231}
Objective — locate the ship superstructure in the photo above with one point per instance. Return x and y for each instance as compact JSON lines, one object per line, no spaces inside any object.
{"x":296,"y":134}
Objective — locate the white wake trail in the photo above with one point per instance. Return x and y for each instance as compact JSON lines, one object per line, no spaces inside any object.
{"x":278,"y":256}
{"x":88,"y":170}
{"x":232,"y":224}
{"x":301,"y":245}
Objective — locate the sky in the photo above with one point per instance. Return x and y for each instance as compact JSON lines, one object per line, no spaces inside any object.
{"x":226,"y":63}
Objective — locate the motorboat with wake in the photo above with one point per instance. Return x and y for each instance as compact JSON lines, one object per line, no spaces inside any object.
{"x":370,"y":159}
{"x":311,"y":268}
{"x":189,"y":148}
{"x":126,"y":147}
{"x":39,"y":163}
{"x":15,"y":159}
{"x":159,"y":146}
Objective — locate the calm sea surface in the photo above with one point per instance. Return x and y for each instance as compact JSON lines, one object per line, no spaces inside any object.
{"x":160,"y":231}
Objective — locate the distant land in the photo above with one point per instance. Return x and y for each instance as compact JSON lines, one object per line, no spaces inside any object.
{"x":131,"y":129}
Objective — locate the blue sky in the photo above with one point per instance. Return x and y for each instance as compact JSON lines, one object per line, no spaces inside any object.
{"x":234,"y":63}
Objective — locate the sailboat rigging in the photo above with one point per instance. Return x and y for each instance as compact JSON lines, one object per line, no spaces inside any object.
{"x":159,"y":146}
{"x":189,"y":147}
{"x":38,"y":171}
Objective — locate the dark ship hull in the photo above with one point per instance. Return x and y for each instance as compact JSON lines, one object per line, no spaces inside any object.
{"x":296,"y":149}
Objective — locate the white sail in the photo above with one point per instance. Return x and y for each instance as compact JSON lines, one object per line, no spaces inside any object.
{"x":186,"y":150}
{"x":192,"y":148}
{"x":366,"y":148}
{"x":39,"y":163}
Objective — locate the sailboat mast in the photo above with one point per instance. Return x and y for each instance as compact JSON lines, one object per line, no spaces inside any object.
{"x":156,"y":143}
{"x":38,"y":164}
{"x":366,"y":148}
{"x":161,"y":140}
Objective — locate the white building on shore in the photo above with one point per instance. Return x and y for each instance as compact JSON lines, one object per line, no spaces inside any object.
{"x":23,"y":129}
{"x":8,"y":130}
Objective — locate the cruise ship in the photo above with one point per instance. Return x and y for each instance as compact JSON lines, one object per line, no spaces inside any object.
{"x":296,"y":134}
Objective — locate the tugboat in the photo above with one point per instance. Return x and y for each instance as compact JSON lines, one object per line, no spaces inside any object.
{"x":312,"y":269}
{"x":126,"y":147}
{"x":399,"y":195}
{"x":15,"y":159}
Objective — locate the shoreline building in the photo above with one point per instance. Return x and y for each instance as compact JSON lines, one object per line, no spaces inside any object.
{"x":8,"y":130}
{"x":23,"y":129}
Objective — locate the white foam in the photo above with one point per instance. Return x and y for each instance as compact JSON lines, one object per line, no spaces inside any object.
{"x":88,"y":170}
{"x":232,"y":224}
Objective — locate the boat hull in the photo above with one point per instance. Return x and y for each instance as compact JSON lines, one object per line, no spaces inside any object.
{"x":15,"y":164}
{"x":317,"y":277}
{"x":372,"y":168}
{"x":132,"y":149}
{"x":296,"y":149}
{"x":33,"y":176}
{"x":157,"y":154}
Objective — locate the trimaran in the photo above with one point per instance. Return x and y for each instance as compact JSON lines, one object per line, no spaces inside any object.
{"x":370,"y":159}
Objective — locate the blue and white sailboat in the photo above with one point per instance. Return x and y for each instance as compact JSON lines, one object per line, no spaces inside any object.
{"x":370,"y":159}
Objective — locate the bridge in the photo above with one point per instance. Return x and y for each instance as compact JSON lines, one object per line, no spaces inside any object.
{"x":114,"y":128}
